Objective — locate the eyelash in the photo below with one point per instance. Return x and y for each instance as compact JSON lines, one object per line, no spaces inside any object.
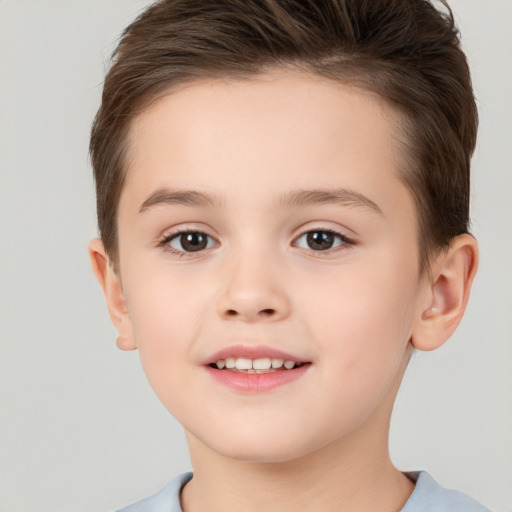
{"x":346,"y":242}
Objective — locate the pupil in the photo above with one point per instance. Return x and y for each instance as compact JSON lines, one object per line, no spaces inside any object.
{"x":320,"y":240}
{"x":193,"y":241}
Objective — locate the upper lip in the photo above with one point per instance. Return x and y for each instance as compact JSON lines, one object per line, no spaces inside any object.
{"x":252,"y":352}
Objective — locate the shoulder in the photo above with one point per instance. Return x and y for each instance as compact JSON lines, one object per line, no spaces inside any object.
{"x":429,"y":496}
{"x":165,"y":500}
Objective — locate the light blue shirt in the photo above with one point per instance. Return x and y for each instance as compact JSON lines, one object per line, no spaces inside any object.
{"x":428,"y":496}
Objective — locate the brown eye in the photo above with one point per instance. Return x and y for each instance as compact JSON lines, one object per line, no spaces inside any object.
{"x":190,"y":241}
{"x":321,"y":240}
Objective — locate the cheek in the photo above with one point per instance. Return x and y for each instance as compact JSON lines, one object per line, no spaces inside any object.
{"x":363,"y":299}
{"x":166,"y":319}
{"x":363,"y":325}
{"x":163,"y":306}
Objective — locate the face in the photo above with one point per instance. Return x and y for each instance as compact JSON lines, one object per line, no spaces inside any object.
{"x":263,"y":223}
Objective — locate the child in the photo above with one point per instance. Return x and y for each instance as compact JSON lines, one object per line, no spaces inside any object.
{"x":283,"y":196}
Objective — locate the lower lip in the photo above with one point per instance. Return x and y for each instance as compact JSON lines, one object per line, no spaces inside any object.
{"x":257,"y":382}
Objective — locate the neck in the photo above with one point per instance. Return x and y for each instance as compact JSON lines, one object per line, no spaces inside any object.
{"x":347,"y":484}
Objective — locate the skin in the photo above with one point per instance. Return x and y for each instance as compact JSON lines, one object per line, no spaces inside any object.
{"x":354,"y":311}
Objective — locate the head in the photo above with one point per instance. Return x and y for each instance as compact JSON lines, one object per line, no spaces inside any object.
{"x":318,"y":156}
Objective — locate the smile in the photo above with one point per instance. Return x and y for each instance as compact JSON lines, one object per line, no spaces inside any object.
{"x":255,"y":368}
{"x":260,"y":365}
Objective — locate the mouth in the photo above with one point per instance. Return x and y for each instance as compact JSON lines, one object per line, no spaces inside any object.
{"x":255,"y":369}
{"x":255,"y":366}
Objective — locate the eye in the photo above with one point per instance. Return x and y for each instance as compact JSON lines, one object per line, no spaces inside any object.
{"x":321,"y":240}
{"x":189,"y":241}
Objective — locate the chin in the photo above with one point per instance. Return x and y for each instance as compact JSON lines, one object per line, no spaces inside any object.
{"x":261,"y":455}
{"x":263,"y":446}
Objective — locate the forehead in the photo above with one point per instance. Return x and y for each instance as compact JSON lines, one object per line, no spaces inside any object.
{"x":270,"y":132}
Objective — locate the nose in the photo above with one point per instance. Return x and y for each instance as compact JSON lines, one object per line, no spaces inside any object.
{"x":253,"y":292}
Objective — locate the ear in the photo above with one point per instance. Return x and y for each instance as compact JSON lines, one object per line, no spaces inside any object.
{"x":114,"y":295}
{"x":450,"y":282}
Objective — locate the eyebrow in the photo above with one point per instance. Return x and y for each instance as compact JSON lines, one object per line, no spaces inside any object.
{"x":180,"y":197}
{"x":294,"y":198}
{"x":300,"y":198}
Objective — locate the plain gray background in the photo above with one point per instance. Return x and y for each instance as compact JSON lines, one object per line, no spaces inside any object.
{"x":80,"y":429}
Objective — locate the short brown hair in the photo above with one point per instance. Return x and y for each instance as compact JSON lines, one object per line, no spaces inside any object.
{"x":407,"y":51}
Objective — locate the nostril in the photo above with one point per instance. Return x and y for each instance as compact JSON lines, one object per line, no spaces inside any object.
{"x":263,"y":313}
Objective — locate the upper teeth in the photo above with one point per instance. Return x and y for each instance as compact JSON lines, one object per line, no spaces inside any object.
{"x":265,"y":363}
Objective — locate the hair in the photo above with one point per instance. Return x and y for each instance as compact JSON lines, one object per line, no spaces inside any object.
{"x":406,"y":51}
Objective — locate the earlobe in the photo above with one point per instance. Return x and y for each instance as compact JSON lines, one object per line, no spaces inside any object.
{"x":123,"y":343}
{"x":114,"y":295}
{"x":451,"y":279}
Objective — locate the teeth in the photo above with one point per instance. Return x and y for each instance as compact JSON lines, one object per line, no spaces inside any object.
{"x":264,"y":363}
{"x":243,"y":364}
